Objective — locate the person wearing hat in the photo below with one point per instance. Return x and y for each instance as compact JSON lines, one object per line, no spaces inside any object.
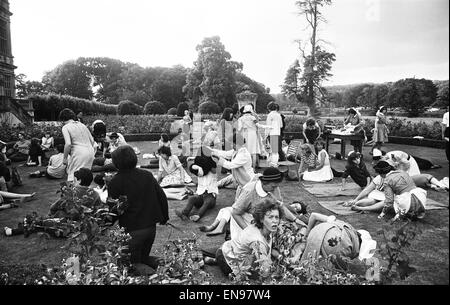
{"x":356,"y":169}
{"x":238,"y":160}
{"x":402,"y":196}
{"x":400,"y":160}
{"x":265,"y":186}
{"x":327,"y":236}
{"x":246,"y":125}
{"x":380,"y":132}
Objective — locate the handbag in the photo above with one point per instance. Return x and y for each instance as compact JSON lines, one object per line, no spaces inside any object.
{"x":15,"y":177}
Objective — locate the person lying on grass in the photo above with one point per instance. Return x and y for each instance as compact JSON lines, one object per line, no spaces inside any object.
{"x":326,"y":236}
{"x":239,"y":214}
{"x":205,"y":198}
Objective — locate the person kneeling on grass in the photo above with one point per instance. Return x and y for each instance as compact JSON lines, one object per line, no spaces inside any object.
{"x":253,"y":245}
{"x":207,"y":189}
{"x":56,"y":167}
{"x":147,"y":206}
{"x":328,"y":236}
{"x":35,"y":153}
{"x":402,"y":196}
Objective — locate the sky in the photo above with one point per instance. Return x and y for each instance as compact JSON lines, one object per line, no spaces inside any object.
{"x":374,"y":40}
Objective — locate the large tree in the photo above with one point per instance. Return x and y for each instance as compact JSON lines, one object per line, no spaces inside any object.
{"x":213,"y":76}
{"x":168,"y":88}
{"x":70,"y":78}
{"x":317,"y":62}
{"x":413,"y":95}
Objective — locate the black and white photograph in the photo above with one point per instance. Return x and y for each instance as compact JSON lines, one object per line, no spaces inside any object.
{"x":224,"y":150}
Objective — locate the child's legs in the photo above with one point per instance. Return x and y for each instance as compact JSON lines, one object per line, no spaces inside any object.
{"x":365,"y":202}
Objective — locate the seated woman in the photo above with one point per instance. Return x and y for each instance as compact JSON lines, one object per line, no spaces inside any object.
{"x":99,"y":134}
{"x":88,"y":197}
{"x":402,"y":196}
{"x":253,"y":245}
{"x":164,"y":140}
{"x":371,"y":197}
{"x":328,"y":236}
{"x":47,"y":142}
{"x":207,"y":190}
{"x":171,"y":171}
{"x":20,"y":150}
{"x":322,"y":172}
{"x":357,"y":170}
{"x":56,"y":168}
{"x":35,"y":153}
{"x":307,"y":158}
{"x":104,"y":163}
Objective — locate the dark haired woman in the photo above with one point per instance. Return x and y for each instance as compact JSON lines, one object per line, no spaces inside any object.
{"x":35,"y":153}
{"x":357,"y":170}
{"x":147,"y":206}
{"x":226,"y":127}
{"x":171,"y":171}
{"x":79,"y":143}
{"x":354,"y":119}
{"x":311,"y":131}
{"x":164,"y":140}
{"x":254,"y":243}
{"x":380,"y":132}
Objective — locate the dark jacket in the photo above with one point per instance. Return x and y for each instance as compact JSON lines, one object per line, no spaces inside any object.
{"x":147,"y":202}
{"x":359,"y":173}
{"x":4,"y":171}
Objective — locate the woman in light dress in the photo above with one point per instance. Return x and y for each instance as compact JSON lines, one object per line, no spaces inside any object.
{"x":171,"y":171}
{"x":247,"y":127}
{"x":322,"y":172}
{"x":79,"y":143}
{"x":380,"y":132}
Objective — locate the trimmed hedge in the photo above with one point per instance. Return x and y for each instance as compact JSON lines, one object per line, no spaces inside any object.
{"x":47,"y":106}
{"x":154,"y":107}
{"x":183,"y":106}
{"x":128,"y":108}
{"x":209,"y":108}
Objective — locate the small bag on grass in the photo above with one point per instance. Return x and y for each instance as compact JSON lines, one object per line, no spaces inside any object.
{"x":15,"y":177}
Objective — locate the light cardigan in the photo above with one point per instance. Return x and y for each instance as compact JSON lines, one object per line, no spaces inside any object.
{"x":240,"y":164}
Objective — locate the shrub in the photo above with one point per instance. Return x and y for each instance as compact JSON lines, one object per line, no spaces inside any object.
{"x":172,"y":111}
{"x":48,"y":106}
{"x":154,"y":107}
{"x":181,"y":108}
{"x":209,"y":108}
{"x":128,"y":107}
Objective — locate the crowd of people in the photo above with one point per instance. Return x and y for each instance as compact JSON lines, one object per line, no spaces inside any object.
{"x":233,"y":146}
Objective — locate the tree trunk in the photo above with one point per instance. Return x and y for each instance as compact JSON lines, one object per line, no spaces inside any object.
{"x":311,"y":95}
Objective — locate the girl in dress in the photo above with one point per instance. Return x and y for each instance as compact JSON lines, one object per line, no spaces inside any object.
{"x":380,"y":132}
{"x":171,"y":171}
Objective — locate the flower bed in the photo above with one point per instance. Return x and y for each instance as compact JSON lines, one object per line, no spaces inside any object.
{"x":156,"y":124}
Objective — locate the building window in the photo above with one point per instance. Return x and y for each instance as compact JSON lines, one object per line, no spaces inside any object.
{"x":4,"y":48}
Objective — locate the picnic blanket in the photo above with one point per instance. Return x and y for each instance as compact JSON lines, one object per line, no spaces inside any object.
{"x":321,"y":190}
{"x":337,"y":207}
{"x":434,"y":205}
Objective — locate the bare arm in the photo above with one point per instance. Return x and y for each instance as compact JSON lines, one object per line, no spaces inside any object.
{"x":316,"y":217}
{"x":239,"y":219}
{"x":67,"y":145}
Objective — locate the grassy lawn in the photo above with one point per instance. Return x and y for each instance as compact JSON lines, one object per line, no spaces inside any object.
{"x":428,"y":253}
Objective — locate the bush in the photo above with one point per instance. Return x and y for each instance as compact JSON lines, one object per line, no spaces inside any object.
{"x":209,"y":108}
{"x":47,"y":107}
{"x":154,"y":107}
{"x":172,"y":111}
{"x":181,"y":108}
{"x":128,"y":107}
